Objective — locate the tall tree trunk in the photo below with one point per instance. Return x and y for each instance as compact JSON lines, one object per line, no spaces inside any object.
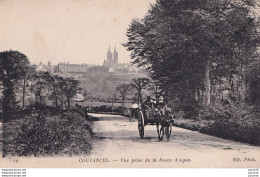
{"x":207,"y":84}
{"x":258,"y":93}
{"x":56,"y":99}
{"x":56,"y":102}
{"x":246,"y":77}
{"x":68,"y":100}
{"x":40,"y":99}
{"x":198,"y":94}
{"x":220,"y":89}
{"x":61,"y":102}
{"x":112,"y":102}
{"x":123,"y":102}
{"x":24,"y":82}
{"x":9,"y":99}
{"x":139,"y":97}
{"x":240,"y":75}
{"x":231,"y":84}
{"x":244,"y":82}
{"x":7,"y":93}
{"x":240,"y":82}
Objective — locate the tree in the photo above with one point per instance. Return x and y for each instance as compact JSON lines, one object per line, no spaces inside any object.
{"x":253,"y":92}
{"x":12,"y":67}
{"x":28,"y":73}
{"x":57,"y":92}
{"x":187,"y":45}
{"x":41,"y":86}
{"x":123,"y":89}
{"x":70,"y":88}
{"x":155,"y":88}
{"x":139,"y":84}
{"x":112,"y":97}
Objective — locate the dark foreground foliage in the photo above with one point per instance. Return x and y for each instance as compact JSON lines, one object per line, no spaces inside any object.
{"x":229,"y":120}
{"x":245,"y":130}
{"x":69,"y":134}
{"x":235,"y":122}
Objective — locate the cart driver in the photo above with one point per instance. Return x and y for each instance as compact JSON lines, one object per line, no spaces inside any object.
{"x":148,"y":107}
{"x":148,"y":104}
{"x":162,"y":107}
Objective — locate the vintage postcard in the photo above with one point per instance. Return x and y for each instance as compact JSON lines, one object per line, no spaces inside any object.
{"x":130,"y":84}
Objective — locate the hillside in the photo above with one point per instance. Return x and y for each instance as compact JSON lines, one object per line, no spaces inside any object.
{"x":100,"y":85}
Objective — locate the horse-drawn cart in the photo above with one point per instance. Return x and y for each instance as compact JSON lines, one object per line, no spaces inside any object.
{"x":163,"y":122}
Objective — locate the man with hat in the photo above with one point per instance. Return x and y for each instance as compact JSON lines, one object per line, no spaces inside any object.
{"x":147,"y":107}
{"x":148,"y":104}
{"x":162,"y":107}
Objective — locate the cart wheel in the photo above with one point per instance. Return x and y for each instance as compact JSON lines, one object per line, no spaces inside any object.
{"x":141,"y":124}
{"x":160,"y":131}
{"x":168,"y":131}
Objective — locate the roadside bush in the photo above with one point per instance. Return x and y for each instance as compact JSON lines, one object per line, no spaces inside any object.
{"x":95,"y":109}
{"x":108,"y":109}
{"x":104,"y":108}
{"x":187,"y":108}
{"x":119,"y":109}
{"x":245,"y":129}
{"x":69,"y":134}
{"x":216,"y":111}
{"x":233,"y":121}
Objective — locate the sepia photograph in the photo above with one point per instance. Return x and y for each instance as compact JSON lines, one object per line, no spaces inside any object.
{"x":130,"y":84}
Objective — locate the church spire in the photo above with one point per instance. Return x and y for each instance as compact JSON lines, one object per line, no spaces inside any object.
{"x":115,"y":57}
{"x":109,"y":57}
{"x":115,"y":52}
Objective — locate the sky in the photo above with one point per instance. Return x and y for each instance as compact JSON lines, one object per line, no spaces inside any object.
{"x":74,"y":31}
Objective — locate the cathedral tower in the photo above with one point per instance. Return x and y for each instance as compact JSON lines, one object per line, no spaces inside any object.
{"x":112,"y":59}
{"x":109,"y":57}
{"x":115,"y":57}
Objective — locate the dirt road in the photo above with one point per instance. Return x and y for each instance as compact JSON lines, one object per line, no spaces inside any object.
{"x":117,"y":140}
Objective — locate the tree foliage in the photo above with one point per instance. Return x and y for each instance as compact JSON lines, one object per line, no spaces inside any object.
{"x":13,"y":66}
{"x":70,"y":87}
{"x":57,"y":92}
{"x":139,"y":84}
{"x":42,"y":80}
{"x":124,"y":90}
{"x":28,"y":73}
{"x":190,"y":46}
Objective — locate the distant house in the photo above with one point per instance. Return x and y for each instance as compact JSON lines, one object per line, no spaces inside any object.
{"x":47,"y":68}
{"x":72,"y":68}
{"x":78,"y":97}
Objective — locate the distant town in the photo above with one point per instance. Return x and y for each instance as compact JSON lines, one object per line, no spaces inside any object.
{"x":111,"y":65}
{"x":97,"y":82}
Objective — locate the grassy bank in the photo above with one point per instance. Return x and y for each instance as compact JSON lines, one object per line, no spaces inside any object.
{"x":192,"y":124}
{"x":67,"y":133}
{"x":246,"y":130}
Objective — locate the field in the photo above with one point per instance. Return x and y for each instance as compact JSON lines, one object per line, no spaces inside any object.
{"x":100,"y":85}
